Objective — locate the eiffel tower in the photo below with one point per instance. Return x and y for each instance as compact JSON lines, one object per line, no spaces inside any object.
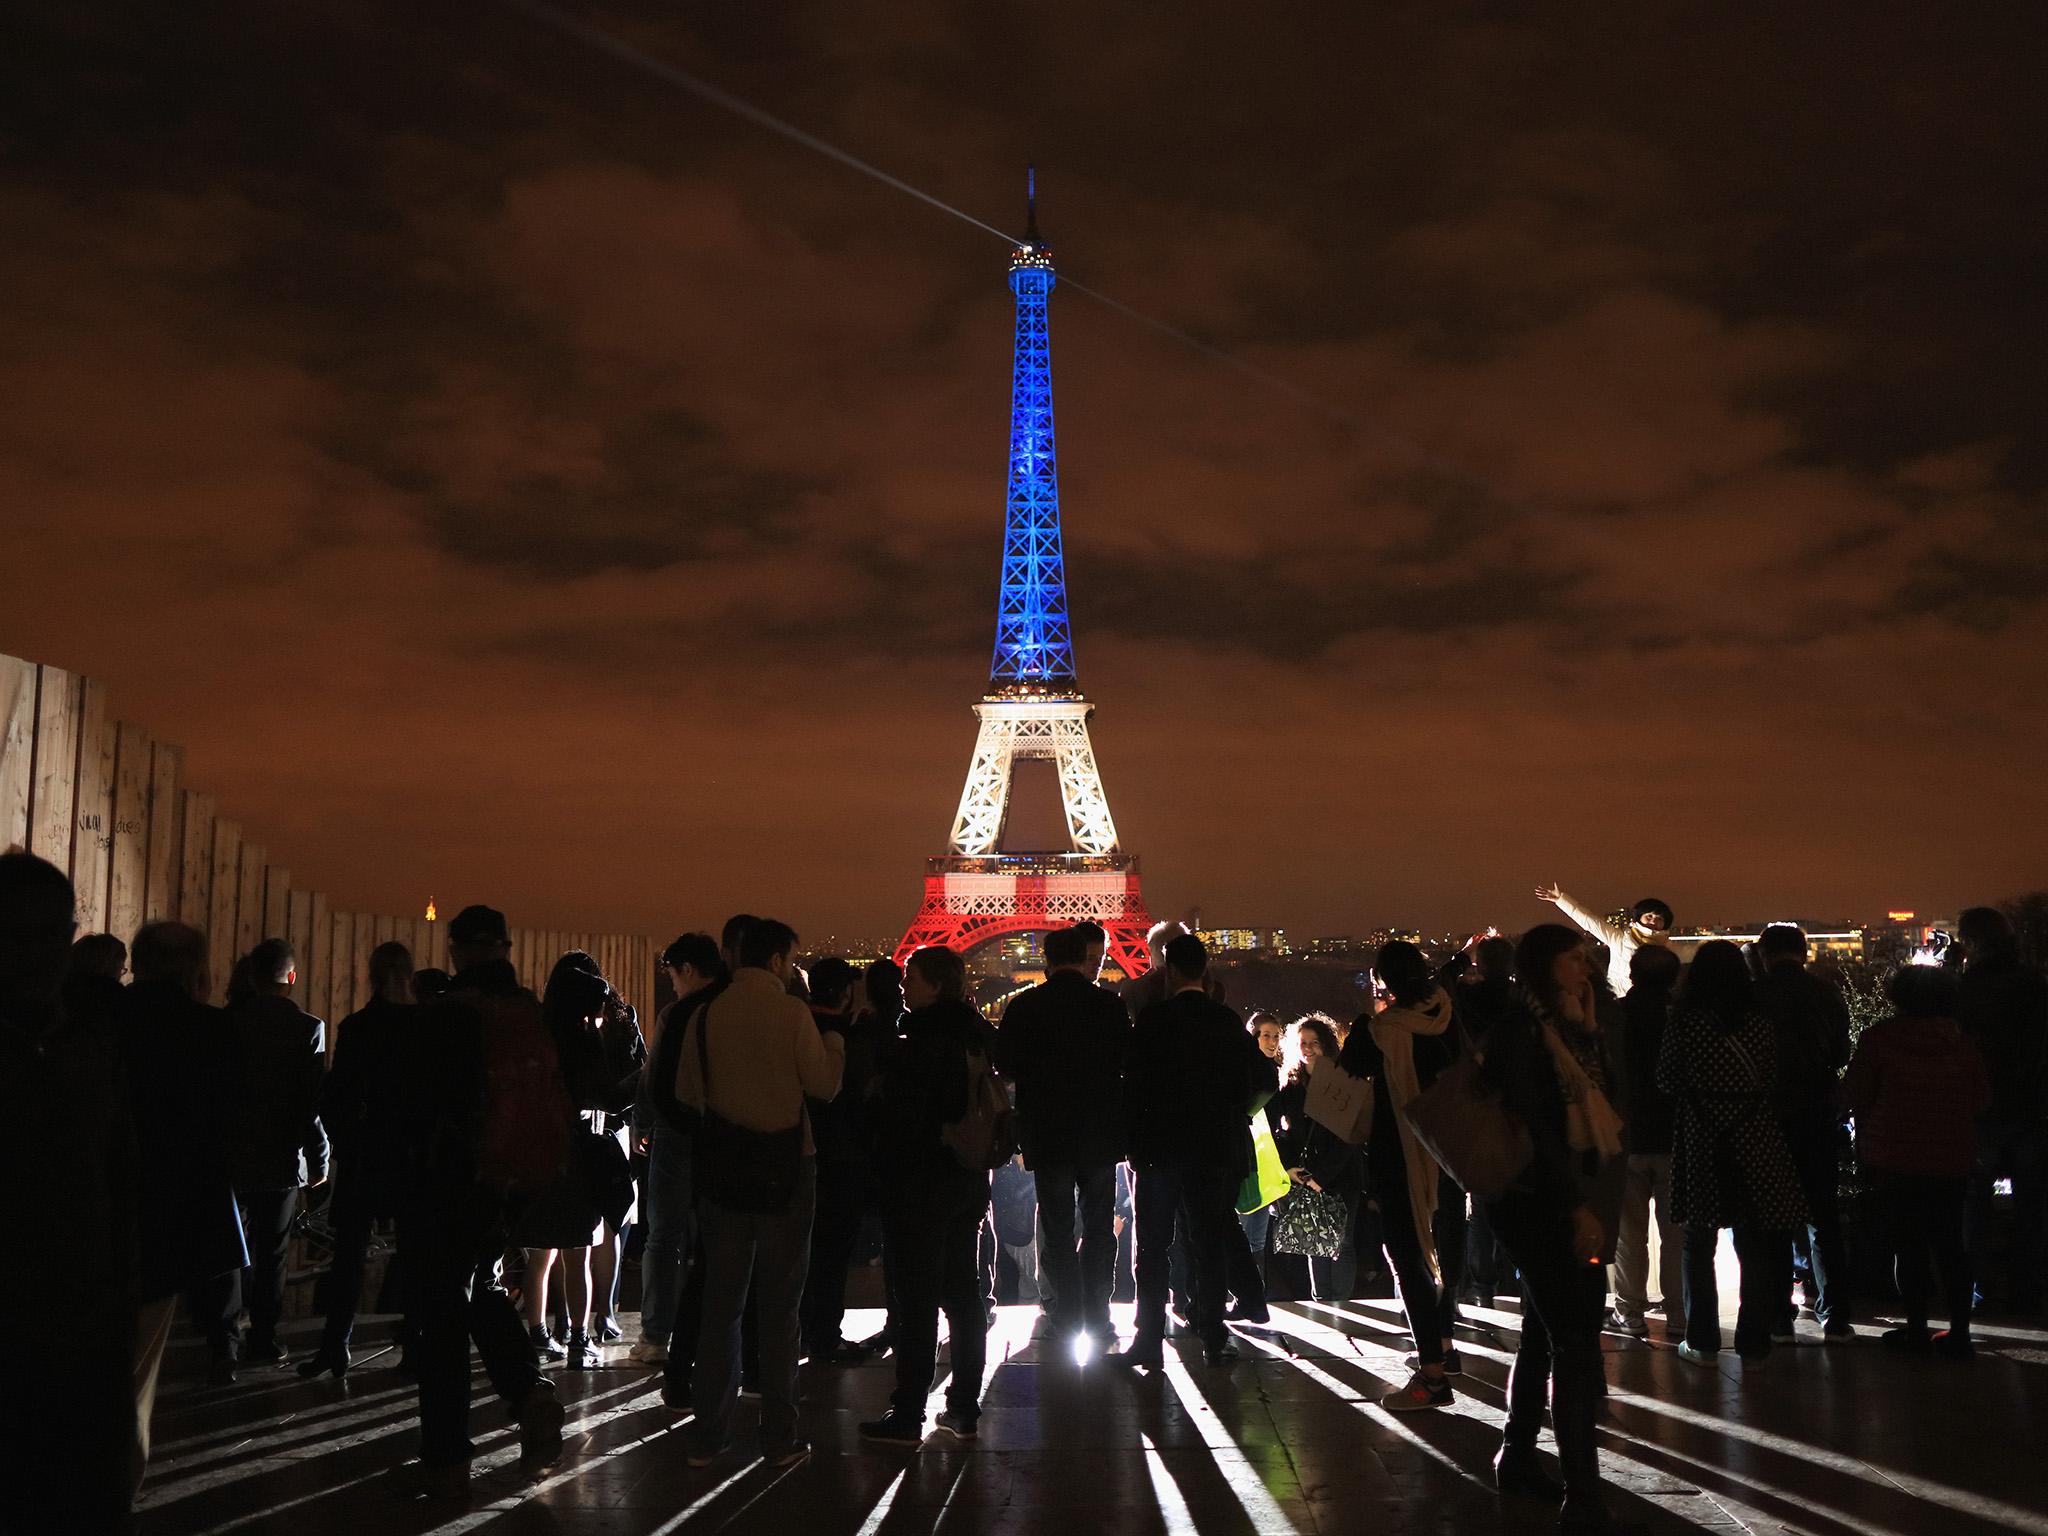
{"x":1034,"y":707}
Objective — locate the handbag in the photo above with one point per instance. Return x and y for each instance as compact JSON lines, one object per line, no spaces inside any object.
{"x":1268,"y":1179}
{"x":1339,"y":1102}
{"x":752,"y":1172}
{"x":1461,"y":1122}
{"x":1313,"y":1223}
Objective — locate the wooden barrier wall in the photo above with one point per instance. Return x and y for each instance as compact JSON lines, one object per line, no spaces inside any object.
{"x":103,"y":801}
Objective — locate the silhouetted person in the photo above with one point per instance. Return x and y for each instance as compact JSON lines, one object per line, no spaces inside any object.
{"x":1195,"y":1075}
{"x":2004,"y":1009}
{"x":1730,"y":1167}
{"x":180,"y":1059}
{"x":1810,"y":1032}
{"x":1550,"y":1221}
{"x":362,"y":1108}
{"x":846,"y":1177}
{"x":67,"y":1415}
{"x":933,"y":1203}
{"x":279,"y":1144}
{"x":1647,"y":1119}
{"x":453,"y":1227}
{"x":1917,"y":1085}
{"x":1063,"y":1044}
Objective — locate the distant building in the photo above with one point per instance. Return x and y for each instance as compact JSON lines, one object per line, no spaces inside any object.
{"x":1245,"y":941}
{"x":1838,"y":942}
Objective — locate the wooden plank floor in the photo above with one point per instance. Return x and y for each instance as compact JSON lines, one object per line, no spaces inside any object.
{"x":1825,"y":1442}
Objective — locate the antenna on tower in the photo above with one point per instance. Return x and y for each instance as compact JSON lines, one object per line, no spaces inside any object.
{"x":1031,"y":204}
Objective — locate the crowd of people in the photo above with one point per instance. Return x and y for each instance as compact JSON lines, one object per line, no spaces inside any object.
{"x":1538,"y":1108}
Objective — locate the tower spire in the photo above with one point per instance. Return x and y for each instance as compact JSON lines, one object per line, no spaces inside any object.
{"x":1031,"y":205}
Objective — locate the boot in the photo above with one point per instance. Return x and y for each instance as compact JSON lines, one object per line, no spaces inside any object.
{"x":1518,"y":1474}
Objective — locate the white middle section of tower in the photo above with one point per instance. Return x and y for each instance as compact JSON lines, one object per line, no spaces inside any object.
{"x":1017,"y":728}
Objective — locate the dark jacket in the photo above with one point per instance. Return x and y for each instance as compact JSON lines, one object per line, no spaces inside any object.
{"x":279,"y":1142}
{"x":1193,"y":1080}
{"x":1481,"y":1004}
{"x":1646,"y":1111}
{"x":1386,"y":1161}
{"x":1063,"y":1044}
{"x":180,"y":1059}
{"x":840,"y":1124}
{"x":924,"y":1088}
{"x":1917,"y":1086}
{"x":1520,"y":1066}
{"x":443,"y":1092}
{"x":2004,"y":1008}
{"x":1314,"y":1148}
{"x":656,"y":1108}
{"x":1810,"y":1022}
{"x":361,"y":1104}
{"x":67,"y":1143}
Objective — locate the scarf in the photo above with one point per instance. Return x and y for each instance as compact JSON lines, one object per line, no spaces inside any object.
{"x":1394,"y":1033}
{"x":1590,"y":1123}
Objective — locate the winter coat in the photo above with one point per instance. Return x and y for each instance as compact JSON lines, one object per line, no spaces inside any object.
{"x":1307,"y":1144}
{"x":279,"y":1142}
{"x":180,"y":1057}
{"x":67,"y":1143}
{"x":1917,"y":1087}
{"x":2004,"y":1008}
{"x":840,"y":1125}
{"x":1810,"y":1030}
{"x":924,"y":1089}
{"x":1648,"y":1117}
{"x":361,"y":1103}
{"x":1193,"y":1079}
{"x":1730,"y":1165}
{"x":1063,"y":1045}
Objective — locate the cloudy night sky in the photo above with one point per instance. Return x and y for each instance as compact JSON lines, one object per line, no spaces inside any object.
{"x":516,"y":479}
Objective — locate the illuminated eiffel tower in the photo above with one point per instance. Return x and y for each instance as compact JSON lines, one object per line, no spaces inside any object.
{"x":1034,"y":707}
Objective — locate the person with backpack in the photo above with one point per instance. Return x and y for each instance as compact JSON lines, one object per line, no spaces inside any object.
{"x":941,"y":1128}
{"x":753,"y":1055}
{"x":1194,"y":1077}
{"x":1063,"y":1043}
{"x":486,"y":1120}
{"x":1810,"y":1032}
{"x":694,"y":967}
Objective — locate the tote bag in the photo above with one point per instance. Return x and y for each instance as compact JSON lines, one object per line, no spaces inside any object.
{"x":1268,"y":1179}
{"x":1313,"y":1223}
{"x":1462,"y":1123}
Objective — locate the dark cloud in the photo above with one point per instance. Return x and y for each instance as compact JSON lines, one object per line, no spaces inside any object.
{"x":1671,"y":511}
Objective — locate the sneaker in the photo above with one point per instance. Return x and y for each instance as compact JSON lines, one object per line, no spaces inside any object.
{"x":1784,"y":1334}
{"x":894,"y":1428}
{"x":1838,"y":1333}
{"x":961,"y":1426}
{"x":1952,"y":1345}
{"x":545,"y":1344}
{"x":540,"y":1428}
{"x":703,"y":1455}
{"x":266,"y":1353}
{"x":793,"y":1454}
{"x":1421,"y":1392}
{"x":1630,"y":1323}
{"x":648,"y":1352}
{"x":582,"y":1354}
{"x":1454,"y":1363}
{"x":1692,"y":1354}
{"x":1916,"y":1341}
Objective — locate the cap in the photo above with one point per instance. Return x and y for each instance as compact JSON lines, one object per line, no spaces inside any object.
{"x":479,"y":925}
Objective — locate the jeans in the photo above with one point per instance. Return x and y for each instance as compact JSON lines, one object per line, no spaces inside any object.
{"x":1815,"y":1142}
{"x":353,"y":1214}
{"x":1924,"y":1215}
{"x":1765,"y":1257}
{"x":1648,"y":1180}
{"x":1560,"y":1349}
{"x":1426,"y":1305}
{"x":267,"y":1227}
{"x":1210,"y":1202}
{"x":671,"y":1230}
{"x":1080,"y":1282}
{"x":938,"y":1270}
{"x":452,"y":1246}
{"x":845,"y":1190}
{"x":2017,"y":1151}
{"x":1449,"y":1228}
{"x":767,"y":1256}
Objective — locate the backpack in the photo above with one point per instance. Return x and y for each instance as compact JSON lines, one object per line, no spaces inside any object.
{"x":985,"y":1136}
{"x":527,"y":1111}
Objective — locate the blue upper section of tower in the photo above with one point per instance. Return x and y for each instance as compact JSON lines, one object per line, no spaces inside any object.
{"x":1034,"y":637}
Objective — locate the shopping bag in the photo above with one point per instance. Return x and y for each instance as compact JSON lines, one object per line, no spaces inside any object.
{"x":1268,"y":1180}
{"x":1313,"y":1223}
{"x":1461,"y":1121}
{"x":1340,"y":1102}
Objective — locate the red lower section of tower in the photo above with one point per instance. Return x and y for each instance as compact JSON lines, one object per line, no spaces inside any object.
{"x":968,"y":901}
